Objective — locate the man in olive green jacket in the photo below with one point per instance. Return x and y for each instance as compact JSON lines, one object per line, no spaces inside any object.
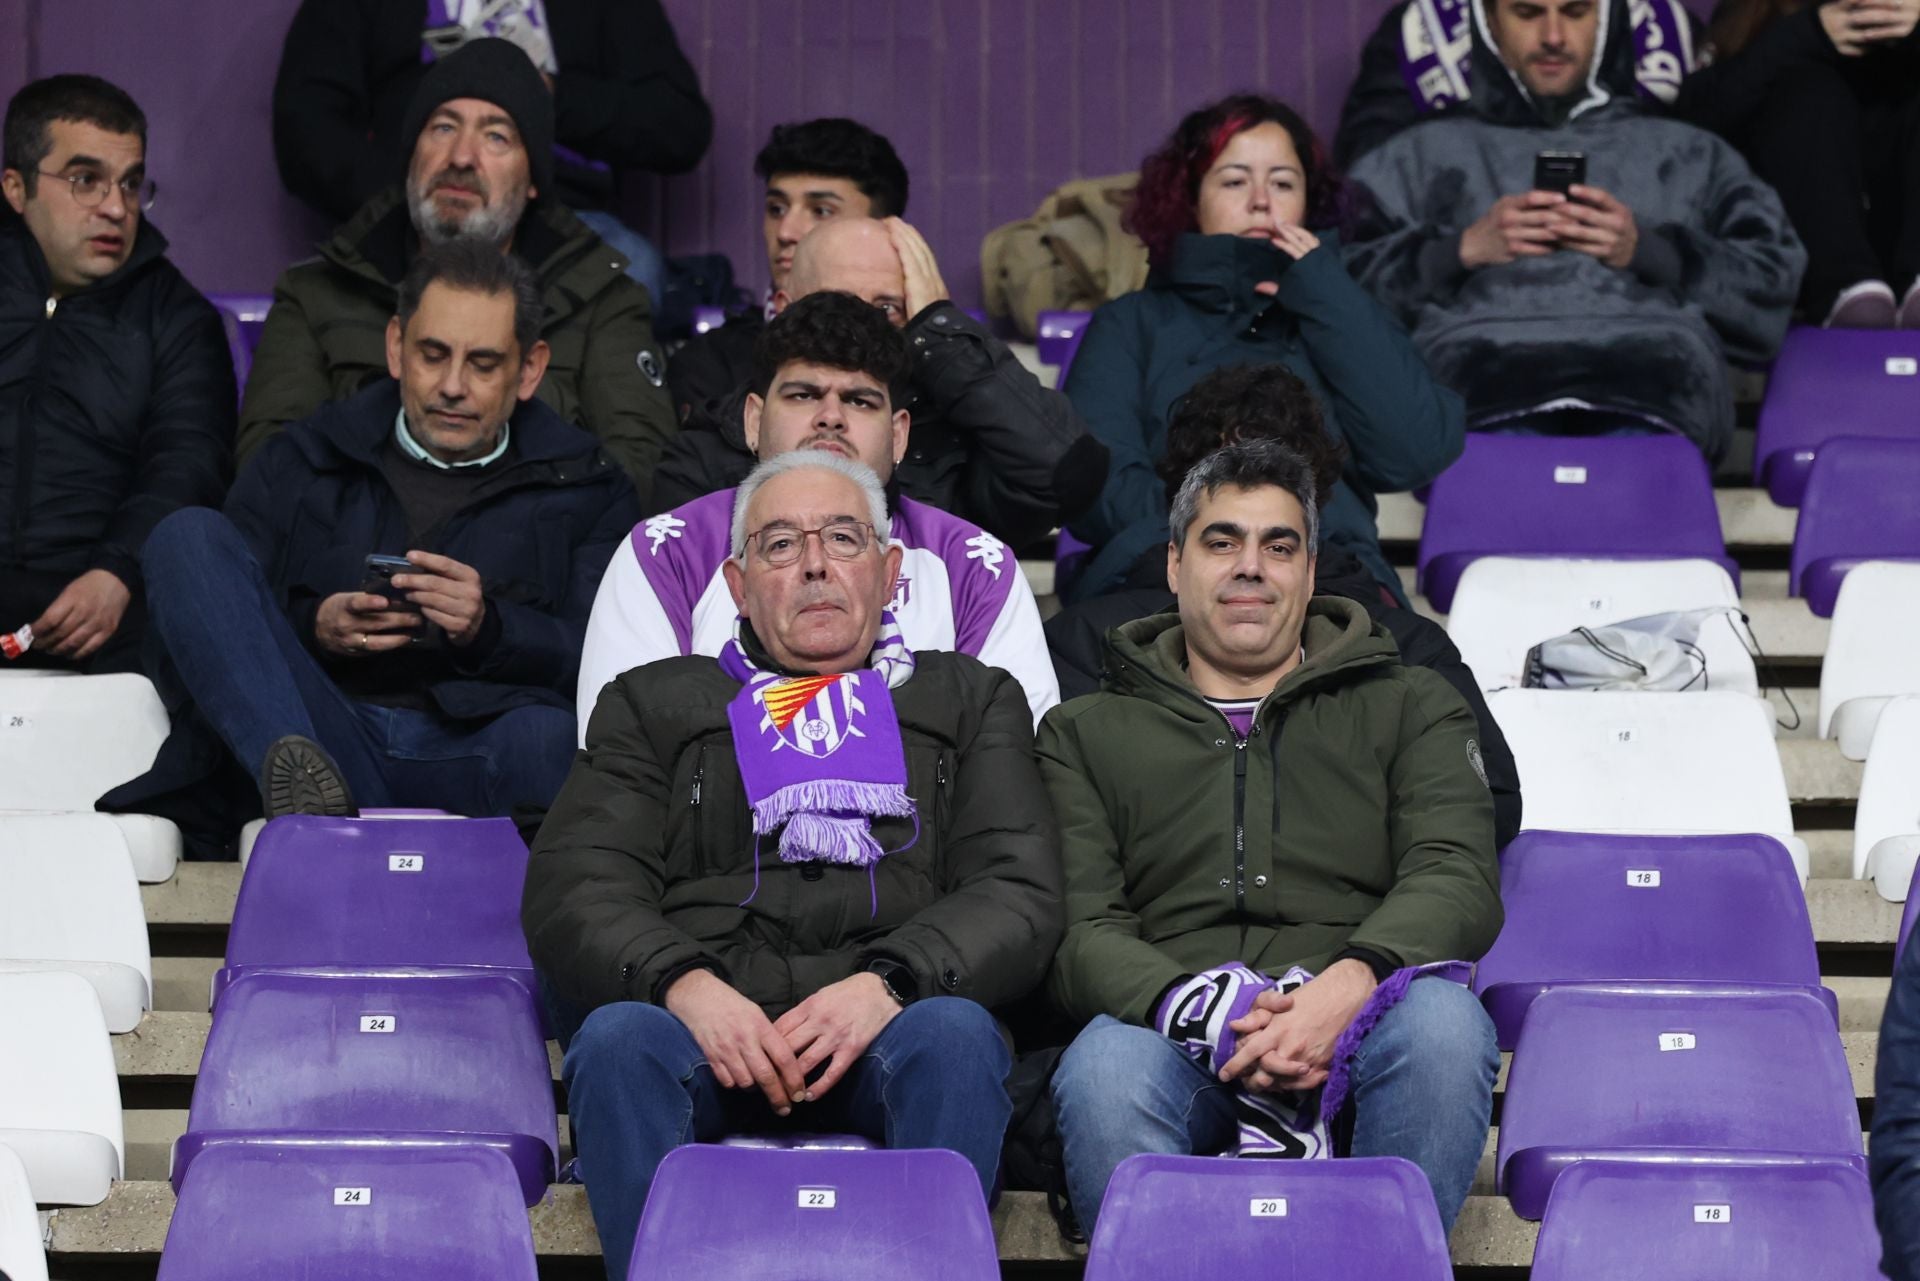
{"x":1262,"y":785}
{"x":480,"y":167}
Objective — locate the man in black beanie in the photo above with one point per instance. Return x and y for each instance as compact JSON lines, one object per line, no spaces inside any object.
{"x":481,"y":167}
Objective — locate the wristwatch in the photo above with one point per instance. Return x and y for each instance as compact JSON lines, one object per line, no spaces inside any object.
{"x":897,"y":979}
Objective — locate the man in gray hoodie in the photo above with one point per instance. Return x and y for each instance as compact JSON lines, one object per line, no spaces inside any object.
{"x":1612,"y":306}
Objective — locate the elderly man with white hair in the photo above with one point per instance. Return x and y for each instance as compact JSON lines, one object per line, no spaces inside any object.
{"x":782,"y":888}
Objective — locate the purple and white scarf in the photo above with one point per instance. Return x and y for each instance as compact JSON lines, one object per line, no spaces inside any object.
{"x":821,"y":755}
{"x":1198,"y":1013}
{"x":452,"y":23}
{"x":1436,"y":50}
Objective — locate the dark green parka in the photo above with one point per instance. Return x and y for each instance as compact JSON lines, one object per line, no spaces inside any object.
{"x":1354,"y":815}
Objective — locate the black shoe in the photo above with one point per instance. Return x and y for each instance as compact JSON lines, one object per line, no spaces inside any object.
{"x":298,"y":777}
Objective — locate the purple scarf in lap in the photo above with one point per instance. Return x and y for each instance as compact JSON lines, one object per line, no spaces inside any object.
{"x":822,"y":754}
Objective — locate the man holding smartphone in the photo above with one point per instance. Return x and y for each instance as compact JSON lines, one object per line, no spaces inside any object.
{"x":390,"y":609}
{"x":1566,"y":260}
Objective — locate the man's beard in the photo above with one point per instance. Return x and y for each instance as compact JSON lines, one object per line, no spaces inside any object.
{"x":493,"y":224}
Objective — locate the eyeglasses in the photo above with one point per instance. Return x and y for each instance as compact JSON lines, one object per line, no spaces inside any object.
{"x":781,"y":545}
{"x":90,"y":189}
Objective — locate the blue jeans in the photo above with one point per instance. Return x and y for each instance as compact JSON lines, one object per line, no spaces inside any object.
{"x":645,"y":266}
{"x":1422,"y":1089}
{"x":254,"y":680}
{"x":638,"y":1087}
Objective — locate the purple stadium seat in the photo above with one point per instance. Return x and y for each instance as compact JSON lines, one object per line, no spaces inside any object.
{"x":340,"y":1210}
{"x":1859,"y":506}
{"x":706,"y":319}
{"x":1060,"y":335}
{"x":1610,"y":498}
{"x":249,"y":312}
{"x":1609,"y":1222}
{"x":1672,"y":1078}
{"x":1833,"y":382}
{"x":413,"y":1060}
{"x":1673,"y":913}
{"x":852,"y":1216}
{"x":335,"y":895}
{"x":1172,"y":1218}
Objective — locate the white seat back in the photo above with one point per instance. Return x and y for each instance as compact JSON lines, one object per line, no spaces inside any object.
{"x":1886,"y":825}
{"x":59,"y":1096}
{"x":1505,"y":605}
{"x":63,"y":743}
{"x":1648,"y":762}
{"x":21,"y":1257}
{"x":1873,"y":651}
{"x":69,"y":901}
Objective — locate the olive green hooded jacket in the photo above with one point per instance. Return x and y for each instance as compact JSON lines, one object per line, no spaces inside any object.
{"x":1354,"y":816}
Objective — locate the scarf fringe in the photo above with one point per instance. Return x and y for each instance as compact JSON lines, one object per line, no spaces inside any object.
{"x":827,"y":819}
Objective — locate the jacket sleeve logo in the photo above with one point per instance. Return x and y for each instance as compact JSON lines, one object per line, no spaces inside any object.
{"x":662,"y":527}
{"x":988,"y":550}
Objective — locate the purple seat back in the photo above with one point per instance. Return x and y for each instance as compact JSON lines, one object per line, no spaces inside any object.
{"x":1169,"y":1218}
{"x":1059,"y":335}
{"x":1611,"y":497}
{"x":416,"y":1060}
{"x":1671,"y":1078}
{"x":1671,"y":911}
{"x":373,"y":1213}
{"x":249,"y":312}
{"x":1606,"y":1222}
{"x":757,"y":1215}
{"x":708,"y":318}
{"x":331,"y":895}
{"x":1859,"y":506}
{"x":1833,"y":382}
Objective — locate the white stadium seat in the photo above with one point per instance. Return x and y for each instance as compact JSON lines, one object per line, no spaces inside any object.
{"x":21,"y":1257}
{"x":1873,"y":651}
{"x":59,"y":1096}
{"x":69,"y":901}
{"x":1644,"y":762}
{"x":1505,"y":605}
{"x":65,"y":743}
{"x":1886,"y":826}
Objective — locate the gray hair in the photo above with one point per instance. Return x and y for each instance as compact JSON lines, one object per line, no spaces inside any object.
{"x":1251,"y":464}
{"x":476,"y":267}
{"x":794,"y":460}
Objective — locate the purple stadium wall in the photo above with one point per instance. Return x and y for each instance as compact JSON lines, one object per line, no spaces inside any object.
{"x":992,"y":103}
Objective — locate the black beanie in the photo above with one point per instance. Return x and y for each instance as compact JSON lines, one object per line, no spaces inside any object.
{"x":496,"y":71}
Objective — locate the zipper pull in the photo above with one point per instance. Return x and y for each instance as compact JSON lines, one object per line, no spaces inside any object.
{"x":699,"y":771}
{"x":52,"y":303}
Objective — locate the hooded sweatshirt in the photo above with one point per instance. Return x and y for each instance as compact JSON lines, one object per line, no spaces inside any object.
{"x":1713,"y":277}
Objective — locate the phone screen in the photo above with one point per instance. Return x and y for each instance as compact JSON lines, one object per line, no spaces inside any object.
{"x":378,"y":581}
{"x":1559,"y":170}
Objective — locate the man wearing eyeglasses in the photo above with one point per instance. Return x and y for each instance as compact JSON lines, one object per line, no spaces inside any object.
{"x":116,"y":387}
{"x":830,"y":374}
{"x":782,"y":888}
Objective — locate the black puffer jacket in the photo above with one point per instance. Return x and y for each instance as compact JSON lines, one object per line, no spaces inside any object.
{"x":116,"y":408}
{"x":1077,"y":642}
{"x":988,"y":444}
{"x":645,"y":866}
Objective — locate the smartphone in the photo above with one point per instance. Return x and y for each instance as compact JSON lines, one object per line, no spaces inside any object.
{"x":378,"y":581}
{"x":1559,"y":170}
